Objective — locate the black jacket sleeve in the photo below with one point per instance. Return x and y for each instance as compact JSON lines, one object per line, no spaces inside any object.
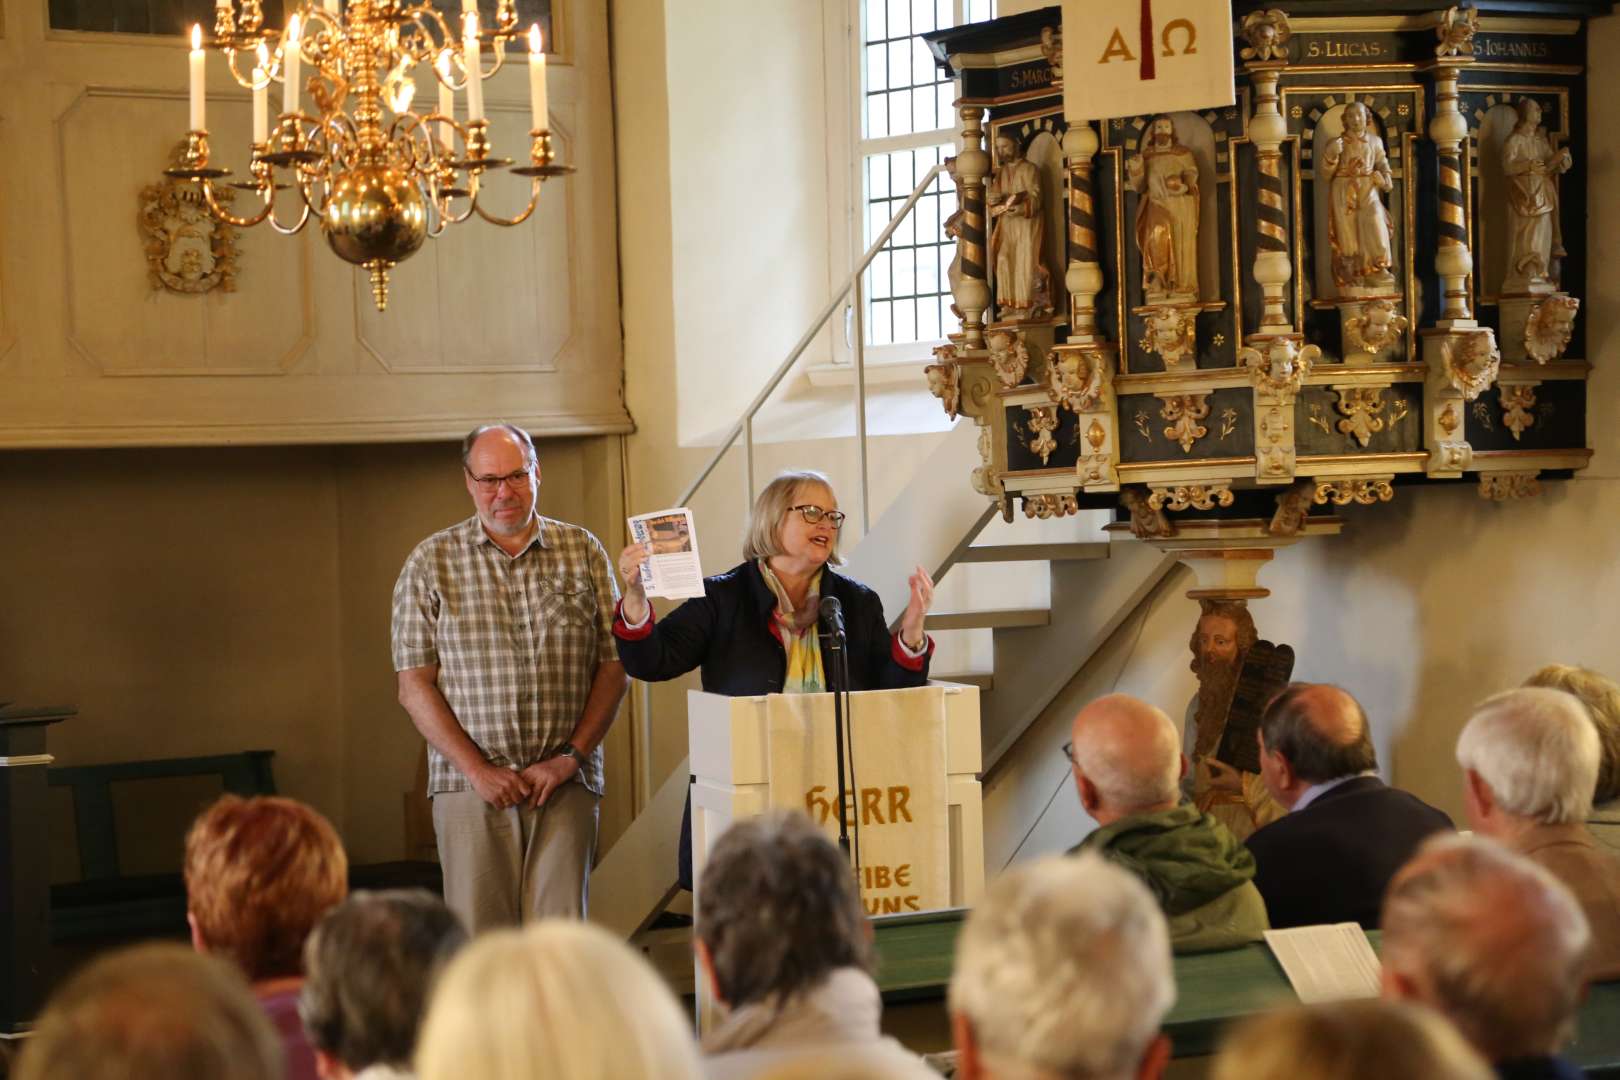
{"x":678,"y":643}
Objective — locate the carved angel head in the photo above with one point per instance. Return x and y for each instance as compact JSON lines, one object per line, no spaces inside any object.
{"x":1267,"y":34}
{"x":944,"y":382}
{"x":1472,"y":361}
{"x":1075,"y":378}
{"x":1550,"y":326}
{"x":1377,"y":326}
{"x":1456,"y":32}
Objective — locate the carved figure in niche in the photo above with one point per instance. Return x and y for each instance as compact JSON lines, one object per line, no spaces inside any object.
{"x":1221,"y":644}
{"x":187,"y":249}
{"x":1165,"y":174}
{"x":1267,"y":35}
{"x":1018,"y":237}
{"x":1359,"y":230}
{"x":1532,"y":166}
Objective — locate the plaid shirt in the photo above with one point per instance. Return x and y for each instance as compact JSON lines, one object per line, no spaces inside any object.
{"x":517,"y":639}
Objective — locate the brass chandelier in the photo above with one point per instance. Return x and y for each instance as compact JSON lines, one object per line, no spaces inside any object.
{"x":379,"y":188}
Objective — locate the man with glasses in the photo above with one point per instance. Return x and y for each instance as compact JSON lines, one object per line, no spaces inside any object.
{"x":503,"y":644}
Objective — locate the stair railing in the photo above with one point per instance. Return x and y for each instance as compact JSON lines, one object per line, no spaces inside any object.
{"x":744,"y":429}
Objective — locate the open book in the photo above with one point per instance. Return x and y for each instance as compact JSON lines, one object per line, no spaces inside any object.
{"x":1327,"y":963}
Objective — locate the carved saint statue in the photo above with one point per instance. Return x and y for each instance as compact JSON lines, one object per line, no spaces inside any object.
{"x":1165,"y":174}
{"x":1222,"y":640}
{"x":1017,"y":240}
{"x":1358,"y":223}
{"x":1531,"y":165}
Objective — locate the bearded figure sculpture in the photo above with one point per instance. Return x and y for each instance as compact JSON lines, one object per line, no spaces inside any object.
{"x":1223,"y":638}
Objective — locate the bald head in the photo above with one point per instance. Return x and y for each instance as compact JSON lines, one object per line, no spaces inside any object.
{"x":1491,"y":940}
{"x":1320,"y":731}
{"x":1127,"y":758}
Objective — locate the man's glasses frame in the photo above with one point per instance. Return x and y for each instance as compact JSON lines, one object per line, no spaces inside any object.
{"x":511,"y":480}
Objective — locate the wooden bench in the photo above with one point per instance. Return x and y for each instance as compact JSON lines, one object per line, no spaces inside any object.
{"x":117,"y":873}
{"x":144,"y":807}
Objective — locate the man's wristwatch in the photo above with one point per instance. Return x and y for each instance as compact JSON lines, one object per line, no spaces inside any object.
{"x":570,"y":750}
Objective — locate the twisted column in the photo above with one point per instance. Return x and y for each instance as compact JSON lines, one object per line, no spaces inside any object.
{"x":972,"y":290}
{"x":1084,"y":278}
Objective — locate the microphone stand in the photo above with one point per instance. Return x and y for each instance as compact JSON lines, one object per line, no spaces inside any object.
{"x":838,"y":675}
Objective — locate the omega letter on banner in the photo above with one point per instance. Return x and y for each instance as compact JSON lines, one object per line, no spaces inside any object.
{"x":1135,"y":57}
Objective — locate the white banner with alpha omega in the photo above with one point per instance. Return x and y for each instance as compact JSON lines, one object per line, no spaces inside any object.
{"x":898,"y":799}
{"x":1137,"y":57}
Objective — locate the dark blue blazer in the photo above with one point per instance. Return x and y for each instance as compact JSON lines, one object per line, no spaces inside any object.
{"x":1332,"y":861}
{"x":727,"y":633}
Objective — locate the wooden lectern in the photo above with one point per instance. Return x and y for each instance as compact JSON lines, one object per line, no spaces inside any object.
{"x":25,"y":864}
{"x":913,"y":806}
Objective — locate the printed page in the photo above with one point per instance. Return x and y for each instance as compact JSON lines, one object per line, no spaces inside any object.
{"x":673,"y":569}
{"x":1327,"y":963}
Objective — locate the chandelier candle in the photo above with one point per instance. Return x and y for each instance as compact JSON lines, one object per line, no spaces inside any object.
{"x":261,"y":107}
{"x":199,"y":61}
{"x":475,"y":68}
{"x":537,"y":79}
{"x":290,"y":59}
{"x":447,"y":100}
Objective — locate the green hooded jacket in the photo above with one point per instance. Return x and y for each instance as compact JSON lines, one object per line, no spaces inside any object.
{"x":1199,"y":872}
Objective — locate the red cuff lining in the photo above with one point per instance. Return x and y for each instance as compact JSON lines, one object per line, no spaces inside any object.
{"x":910,"y":663}
{"x":622,"y":629}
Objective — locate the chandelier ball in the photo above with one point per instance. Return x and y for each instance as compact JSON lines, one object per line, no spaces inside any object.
{"x":375,"y":212}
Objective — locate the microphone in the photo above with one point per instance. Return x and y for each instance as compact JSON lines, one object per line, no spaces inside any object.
{"x":832,"y":616}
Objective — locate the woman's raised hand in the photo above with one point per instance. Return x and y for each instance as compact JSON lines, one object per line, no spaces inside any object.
{"x":922,"y":598}
{"x":635,"y":597}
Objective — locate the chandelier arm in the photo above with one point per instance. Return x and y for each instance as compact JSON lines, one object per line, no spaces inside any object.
{"x":246,"y":82}
{"x":493,"y":219}
{"x":268,"y":196}
{"x":292,"y":230}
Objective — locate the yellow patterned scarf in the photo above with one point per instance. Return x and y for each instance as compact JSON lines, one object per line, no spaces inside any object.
{"x":798,"y":628}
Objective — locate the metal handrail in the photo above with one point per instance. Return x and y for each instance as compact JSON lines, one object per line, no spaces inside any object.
{"x":851,"y":282}
{"x":744,"y":428}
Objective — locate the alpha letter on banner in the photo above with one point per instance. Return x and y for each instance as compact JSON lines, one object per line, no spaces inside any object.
{"x":1136,"y":57}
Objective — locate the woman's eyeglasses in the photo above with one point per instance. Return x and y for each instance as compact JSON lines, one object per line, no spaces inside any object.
{"x":813,"y":514}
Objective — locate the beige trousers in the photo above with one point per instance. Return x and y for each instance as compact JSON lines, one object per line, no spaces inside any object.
{"x":506,"y":867}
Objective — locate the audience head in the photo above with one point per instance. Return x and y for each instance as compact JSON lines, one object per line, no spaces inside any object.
{"x":1602,"y":700}
{"x":1347,"y":1040}
{"x":1529,"y":757}
{"x":1309,"y":734}
{"x":1488,"y":938}
{"x":1126,"y":757}
{"x":153,"y":1012}
{"x":559,"y":999}
{"x":1063,"y":968}
{"x":369,"y":967}
{"x":259,"y":873}
{"x":779,"y":911}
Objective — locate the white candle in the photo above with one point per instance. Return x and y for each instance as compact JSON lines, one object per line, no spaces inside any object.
{"x":198,"y":62}
{"x":290,"y":61}
{"x":468,"y":6}
{"x":537,"y":79}
{"x":447,"y":100}
{"x":475,"y":68}
{"x":261,"y":106}
{"x":331,"y":6}
{"x":222,"y":3}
